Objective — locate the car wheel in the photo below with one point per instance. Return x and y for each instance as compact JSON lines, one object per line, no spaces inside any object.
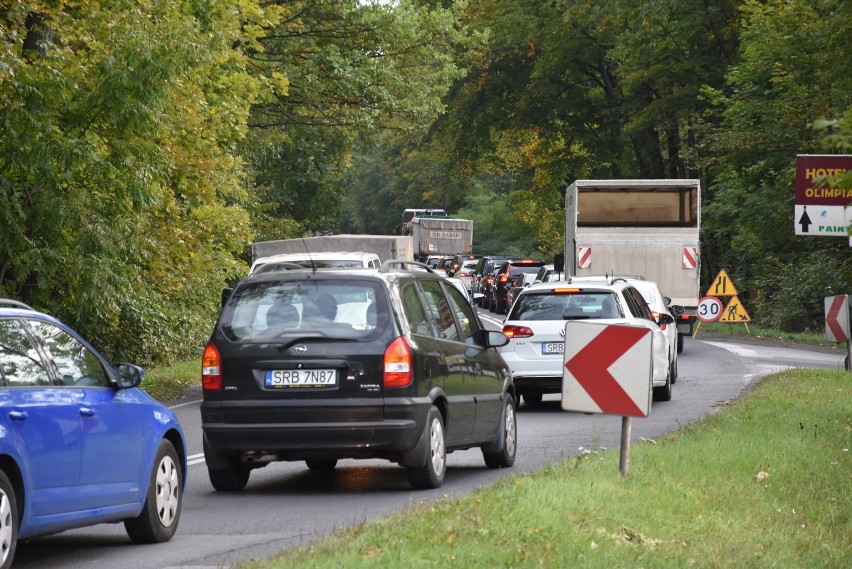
{"x":492,"y":304}
{"x":674,"y":371}
{"x":532,"y":398}
{"x":8,"y":521}
{"x":664,"y":393}
{"x":500,"y":307}
{"x":507,"y":438}
{"x":233,"y":478}
{"x":431,"y":474}
{"x":161,"y":512}
{"x":321,"y":464}
{"x":679,"y":343}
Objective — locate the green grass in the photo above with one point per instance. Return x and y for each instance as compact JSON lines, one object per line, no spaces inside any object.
{"x":763,"y":483}
{"x":809,"y":338}
{"x":169,"y":382}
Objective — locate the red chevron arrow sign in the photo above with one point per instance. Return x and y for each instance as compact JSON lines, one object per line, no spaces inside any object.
{"x":837,"y":318}
{"x":607,"y":369}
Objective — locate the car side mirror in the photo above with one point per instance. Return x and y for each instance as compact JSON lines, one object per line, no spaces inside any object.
{"x":677,"y":309}
{"x":665,"y":319}
{"x":559,"y":262}
{"x":129,"y":375}
{"x":494,"y":338}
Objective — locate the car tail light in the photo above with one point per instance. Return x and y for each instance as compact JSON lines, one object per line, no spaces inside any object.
{"x":517,"y":331}
{"x":397,"y":364}
{"x":489,"y":280}
{"x":211,"y":369}
{"x":461,"y":274}
{"x":504,"y":278}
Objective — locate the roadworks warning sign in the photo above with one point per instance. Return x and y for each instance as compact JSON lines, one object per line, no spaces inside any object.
{"x":735,"y":312}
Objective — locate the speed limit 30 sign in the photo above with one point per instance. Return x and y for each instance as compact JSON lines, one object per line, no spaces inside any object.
{"x":710,"y":309}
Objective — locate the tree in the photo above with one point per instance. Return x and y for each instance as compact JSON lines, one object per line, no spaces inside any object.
{"x":120,"y":187}
{"x":340,"y":69}
{"x":794,"y":69}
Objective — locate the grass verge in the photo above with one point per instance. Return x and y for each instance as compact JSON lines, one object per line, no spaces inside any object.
{"x":166,"y":383}
{"x":764,"y":482}
{"x":809,"y":338}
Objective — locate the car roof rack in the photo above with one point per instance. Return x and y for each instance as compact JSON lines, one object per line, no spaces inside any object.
{"x":16,"y":304}
{"x":386,"y":266}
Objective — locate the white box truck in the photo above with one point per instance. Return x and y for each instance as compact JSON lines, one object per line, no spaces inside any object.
{"x":638,"y":227}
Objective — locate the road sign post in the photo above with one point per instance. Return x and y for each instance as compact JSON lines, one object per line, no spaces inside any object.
{"x":608,"y":369}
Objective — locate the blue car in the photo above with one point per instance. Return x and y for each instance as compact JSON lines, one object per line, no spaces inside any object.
{"x":80,"y":443}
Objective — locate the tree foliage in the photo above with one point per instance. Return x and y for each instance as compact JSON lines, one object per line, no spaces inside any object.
{"x":342,"y":70}
{"x":118,"y":173}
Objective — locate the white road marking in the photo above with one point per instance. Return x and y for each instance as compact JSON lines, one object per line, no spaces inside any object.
{"x":195,"y":459}
{"x":736,"y":349}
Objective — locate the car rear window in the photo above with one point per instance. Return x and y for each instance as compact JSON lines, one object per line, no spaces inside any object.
{"x":515,"y":270}
{"x":551,"y":305}
{"x":260,"y":311}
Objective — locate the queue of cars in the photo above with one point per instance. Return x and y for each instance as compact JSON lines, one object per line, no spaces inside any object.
{"x":305,"y":363}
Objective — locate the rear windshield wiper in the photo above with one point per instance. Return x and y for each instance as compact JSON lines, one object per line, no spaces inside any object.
{"x":312,"y":336}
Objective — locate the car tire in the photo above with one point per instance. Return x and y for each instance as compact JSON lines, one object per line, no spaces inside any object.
{"x":507,"y":438}
{"x":233,"y":478}
{"x":321,"y":464}
{"x":532,"y":398}
{"x":160,"y":514}
{"x":679,"y":343}
{"x":8,"y":521}
{"x":492,"y":304}
{"x":431,"y":474}
{"x":674,"y":371}
{"x":500,"y":307}
{"x":664,"y":392}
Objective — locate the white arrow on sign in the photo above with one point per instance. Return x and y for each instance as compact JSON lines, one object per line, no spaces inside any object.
{"x":607,"y":369}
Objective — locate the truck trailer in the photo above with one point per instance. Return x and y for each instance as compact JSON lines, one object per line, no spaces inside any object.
{"x":439,"y":235}
{"x":647,"y":228}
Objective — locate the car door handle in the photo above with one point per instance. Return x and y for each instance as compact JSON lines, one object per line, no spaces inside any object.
{"x":87,"y":411}
{"x":18,"y":415}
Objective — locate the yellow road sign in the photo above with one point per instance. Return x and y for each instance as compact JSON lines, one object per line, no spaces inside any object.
{"x":722,"y":285}
{"x":735,"y":312}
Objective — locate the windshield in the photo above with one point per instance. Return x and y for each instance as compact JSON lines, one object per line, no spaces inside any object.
{"x":265,"y":310}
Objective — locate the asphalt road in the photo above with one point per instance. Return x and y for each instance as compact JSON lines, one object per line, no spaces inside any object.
{"x":286,"y":505}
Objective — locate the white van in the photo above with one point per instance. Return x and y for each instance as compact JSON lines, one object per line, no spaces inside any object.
{"x":318,"y":260}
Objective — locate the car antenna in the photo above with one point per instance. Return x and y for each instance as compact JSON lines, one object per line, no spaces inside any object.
{"x":308,"y":251}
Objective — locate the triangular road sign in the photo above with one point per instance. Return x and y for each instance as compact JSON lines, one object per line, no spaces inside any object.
{"x":735,"y":312}
{"x":722,"y":285}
